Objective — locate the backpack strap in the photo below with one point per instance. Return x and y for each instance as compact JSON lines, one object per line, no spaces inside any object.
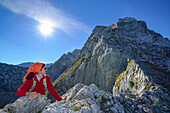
{"x":33,"y":86}
{"x":45,"y":85}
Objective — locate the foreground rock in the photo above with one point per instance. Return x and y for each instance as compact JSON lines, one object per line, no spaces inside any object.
{"x":86,"y":99}
{"x":80,"y":98}
{"x":26,"y":105}
{"x":91,"y":99}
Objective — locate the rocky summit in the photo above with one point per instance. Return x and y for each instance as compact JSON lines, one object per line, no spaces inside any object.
{"x":124,"y":67}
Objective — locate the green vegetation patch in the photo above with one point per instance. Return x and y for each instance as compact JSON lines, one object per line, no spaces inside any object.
{"x":60,"y":79}
{"x":130,"y":61}
{"x":106,"y":91}
{"x":76,"y":65}
{"x":76,"y":108}
{"x":126,"y":72}
{"x":147,"y":85}
{"x":104,"y":100}
{"x":39,"y":111}
{"x":87,"y":104}
{"x":135,"y":86}
{"x":64,"y":73}
{"x":131,"y":84}
{"x":103,"y":90}
{"x":119,"y":78}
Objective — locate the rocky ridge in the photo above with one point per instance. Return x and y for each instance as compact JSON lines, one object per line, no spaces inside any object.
{"x":64,"y":62}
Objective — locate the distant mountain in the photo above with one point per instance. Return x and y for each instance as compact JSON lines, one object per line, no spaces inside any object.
{"x":25,"y":64}
{"x":11,"y":77}
{"x":28,"y":64}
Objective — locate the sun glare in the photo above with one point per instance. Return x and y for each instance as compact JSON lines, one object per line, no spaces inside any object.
{"x":46,"y":27}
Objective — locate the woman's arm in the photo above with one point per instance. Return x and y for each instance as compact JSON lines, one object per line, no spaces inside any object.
{"x":51,"y":89}
{"x":24,"y":88}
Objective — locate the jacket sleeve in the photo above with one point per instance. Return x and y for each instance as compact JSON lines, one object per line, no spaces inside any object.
{"x":52,"y":90}
{"x":24,"y":88}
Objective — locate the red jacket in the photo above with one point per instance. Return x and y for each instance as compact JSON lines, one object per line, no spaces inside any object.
{"x":39,"y":88}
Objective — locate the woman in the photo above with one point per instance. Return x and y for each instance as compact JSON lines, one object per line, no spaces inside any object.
{"x":36,"y":82}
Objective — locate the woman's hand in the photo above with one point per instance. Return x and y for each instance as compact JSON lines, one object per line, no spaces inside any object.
{"x":34,"y":94}
{"x":64,"y":97}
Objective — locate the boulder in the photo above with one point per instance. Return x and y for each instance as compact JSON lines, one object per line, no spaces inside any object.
{"x":26,"y":105}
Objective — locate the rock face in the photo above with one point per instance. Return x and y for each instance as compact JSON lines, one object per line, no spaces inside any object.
{"x":105,"y":56}
{"x":132,"y":81}
{"x":135,"y":85}
{"x":10,"y":80}
{"x":62,"y":64}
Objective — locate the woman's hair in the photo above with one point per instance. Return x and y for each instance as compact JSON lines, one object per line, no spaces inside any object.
{"x":30,"y":75}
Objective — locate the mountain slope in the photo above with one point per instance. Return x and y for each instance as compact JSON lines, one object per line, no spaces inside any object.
{"x":105,"y":56}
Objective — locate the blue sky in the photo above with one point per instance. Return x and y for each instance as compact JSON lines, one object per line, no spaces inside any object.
{"x":21,"y":40}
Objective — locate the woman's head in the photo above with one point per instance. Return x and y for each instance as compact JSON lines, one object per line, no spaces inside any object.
{"x":35,"y":69}
{"x":43,"y":70}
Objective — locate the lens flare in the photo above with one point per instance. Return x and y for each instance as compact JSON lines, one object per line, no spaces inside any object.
{"x":46,"y":27}
{"x":156,"y":102}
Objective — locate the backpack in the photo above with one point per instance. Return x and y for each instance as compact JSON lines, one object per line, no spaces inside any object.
{"x":44,"y":83}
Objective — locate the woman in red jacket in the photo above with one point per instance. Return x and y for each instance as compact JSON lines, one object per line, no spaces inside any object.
{"x":36,"y":82}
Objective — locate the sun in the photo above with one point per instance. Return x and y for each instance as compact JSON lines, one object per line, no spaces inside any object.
{"x":46,"y":27}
